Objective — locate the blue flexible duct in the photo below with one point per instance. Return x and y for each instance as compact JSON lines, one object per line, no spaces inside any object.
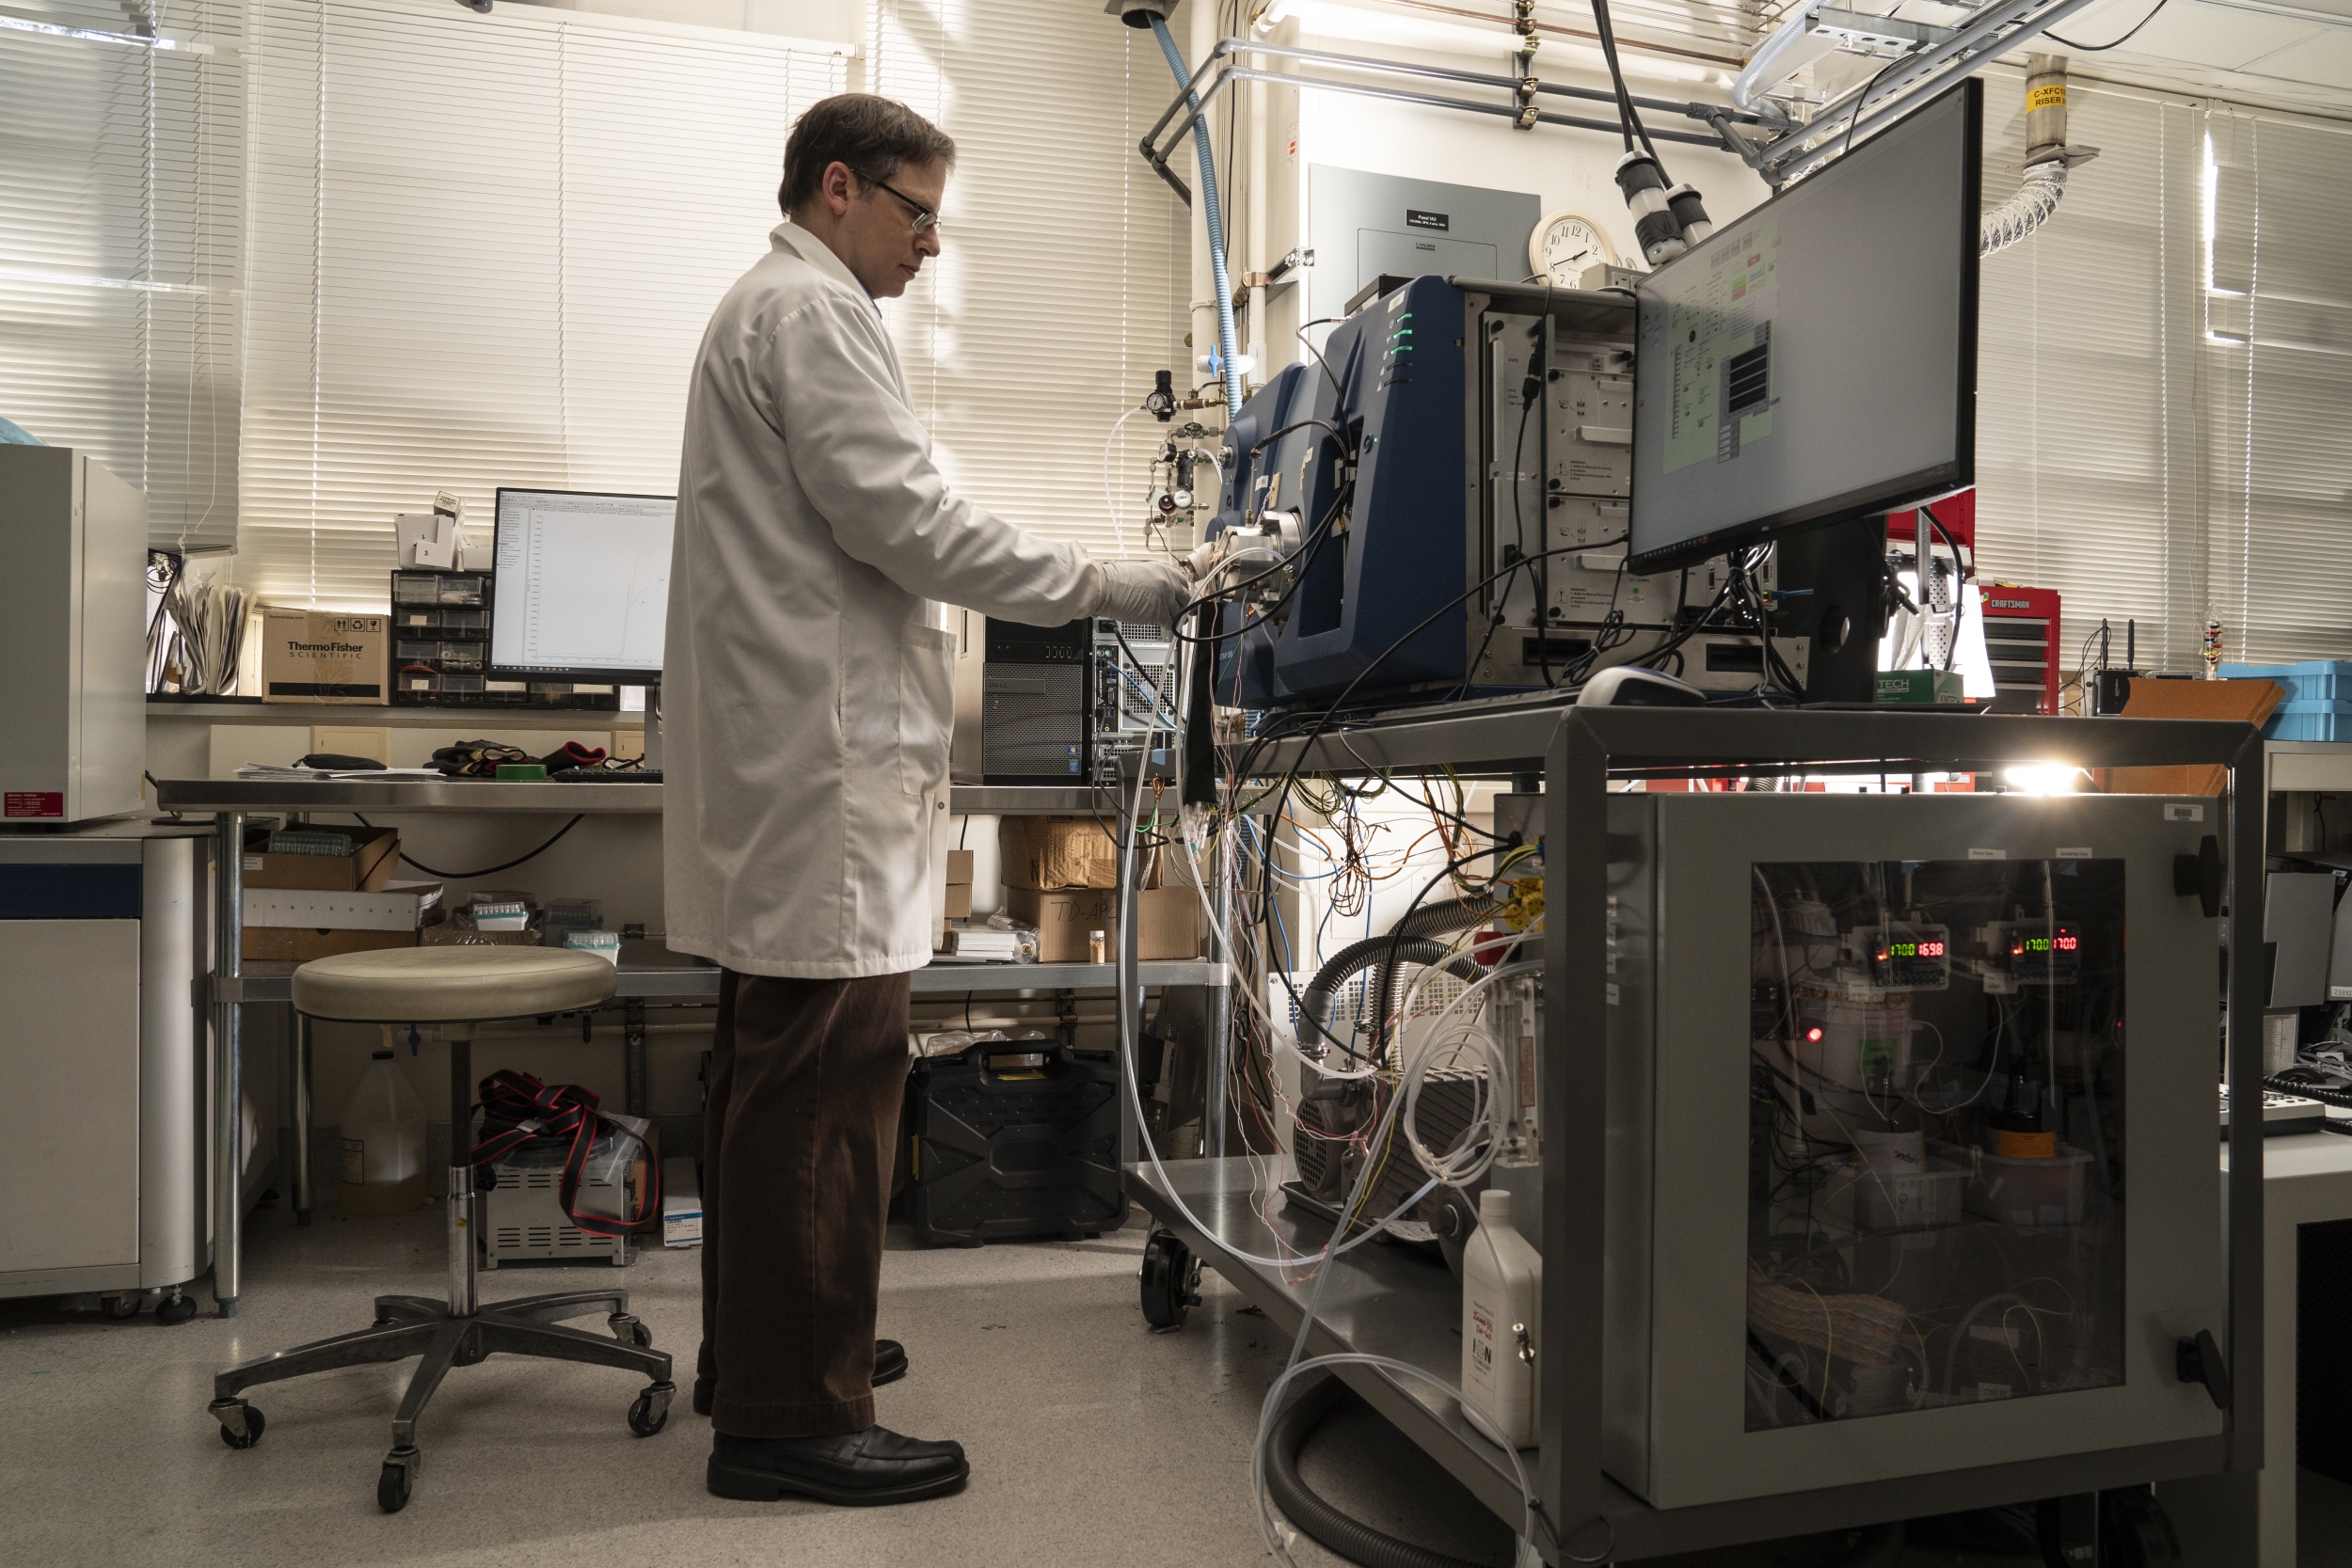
{"x":1207,"y":159}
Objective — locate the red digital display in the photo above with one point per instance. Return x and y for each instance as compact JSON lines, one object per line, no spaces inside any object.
{"x":1935,"y":949}
{"x":2067,"y":942}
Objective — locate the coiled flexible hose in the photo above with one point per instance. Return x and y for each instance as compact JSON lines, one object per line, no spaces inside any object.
{"x":1207,"y":159}
{"x":1417,"y":929}
{"x":1351,"y":1539}
{"x":2037,"y":197}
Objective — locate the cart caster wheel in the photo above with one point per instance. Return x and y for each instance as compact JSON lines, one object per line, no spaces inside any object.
{"x":650,"y":1412}
{"x":122,"y":1306}
{"x":1170,"y":1281}
{"x":631,"y":1330}
{"x":2136,"y":1533}
{"x":240,"y":1424}
{"x":178,"y":1309}
{"x":398,"y":1479}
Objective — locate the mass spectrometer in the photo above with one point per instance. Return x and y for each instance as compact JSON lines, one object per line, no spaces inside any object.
{"x":1480,"y":486}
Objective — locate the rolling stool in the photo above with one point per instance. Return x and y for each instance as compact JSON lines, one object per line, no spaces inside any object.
{"x":455,"y":988}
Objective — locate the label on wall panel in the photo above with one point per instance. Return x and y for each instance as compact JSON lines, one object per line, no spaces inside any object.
{"x":1416,"y":218}
{"x":32,"y":802}
{"x":2175,"y":812}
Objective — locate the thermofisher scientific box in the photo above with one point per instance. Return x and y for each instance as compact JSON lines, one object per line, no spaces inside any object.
{"x":1911,"y":1135}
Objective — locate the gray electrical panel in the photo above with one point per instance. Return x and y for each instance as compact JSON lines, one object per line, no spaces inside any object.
{"x":1363,"y":225}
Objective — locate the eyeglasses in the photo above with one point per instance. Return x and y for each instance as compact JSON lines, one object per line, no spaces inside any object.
{"x":924,"y":219}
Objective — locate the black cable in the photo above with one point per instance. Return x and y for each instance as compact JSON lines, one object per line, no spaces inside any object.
{"x":2103,"y":48}
{"x":1860,"y":104}
{"x":1300,"y":333}
{"x":1628,"y":118}
{"x":488,"y":870}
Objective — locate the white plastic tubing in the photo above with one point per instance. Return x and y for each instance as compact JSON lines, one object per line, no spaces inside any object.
{"x":2026,"y":211}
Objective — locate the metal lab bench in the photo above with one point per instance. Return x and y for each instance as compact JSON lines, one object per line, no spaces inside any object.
{"x":1582,"y":756}
{"x":646,"y":971}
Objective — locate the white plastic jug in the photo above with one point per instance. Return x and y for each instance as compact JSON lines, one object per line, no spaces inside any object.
{"x":1502,"y":1283}
{"x":383,"y":1142}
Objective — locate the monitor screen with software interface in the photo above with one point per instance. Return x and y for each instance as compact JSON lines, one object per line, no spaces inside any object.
{"x":1816,"y":360}
{"x":581,"y":588}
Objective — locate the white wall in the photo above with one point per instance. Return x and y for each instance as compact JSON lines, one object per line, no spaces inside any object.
{"x":1565,"y":167}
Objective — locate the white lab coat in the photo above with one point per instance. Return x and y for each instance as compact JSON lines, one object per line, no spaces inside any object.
{"x":807,"y":689}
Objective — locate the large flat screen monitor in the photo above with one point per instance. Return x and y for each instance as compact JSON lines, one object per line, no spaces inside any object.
{"x":582,"y":587}
{"x":1816,"y":360}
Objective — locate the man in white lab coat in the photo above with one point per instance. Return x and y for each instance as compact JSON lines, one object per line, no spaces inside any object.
{"x":807,"y":697}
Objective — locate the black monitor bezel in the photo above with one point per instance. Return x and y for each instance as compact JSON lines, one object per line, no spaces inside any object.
{"x":1888,"y":495}
{"x":569,"y":674}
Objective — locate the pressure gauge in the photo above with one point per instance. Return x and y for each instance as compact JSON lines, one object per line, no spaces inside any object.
{"x":1566,"y":244}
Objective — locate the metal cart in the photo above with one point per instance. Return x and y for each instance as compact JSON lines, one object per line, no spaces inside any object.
{"x":1394,"y":1304}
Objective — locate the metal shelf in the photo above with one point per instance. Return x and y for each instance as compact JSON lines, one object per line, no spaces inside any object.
{"x":645,"y":977}
{"x":400,"y":795}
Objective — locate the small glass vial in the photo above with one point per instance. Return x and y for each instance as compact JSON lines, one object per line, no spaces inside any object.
{"x":1097,"y":948}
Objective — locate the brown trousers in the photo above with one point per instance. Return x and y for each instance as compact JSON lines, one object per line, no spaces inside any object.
{"x":806,"y":1078}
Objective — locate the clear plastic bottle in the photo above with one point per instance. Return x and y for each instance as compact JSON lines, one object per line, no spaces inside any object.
{"x":1503,"y":1282}
{"x":383,"y":1142}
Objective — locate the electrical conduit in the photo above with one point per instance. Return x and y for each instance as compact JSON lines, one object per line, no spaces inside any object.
{"x":1227,"y":362}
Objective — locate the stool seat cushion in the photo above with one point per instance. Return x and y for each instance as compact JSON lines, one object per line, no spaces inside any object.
{"x":451,"y":985}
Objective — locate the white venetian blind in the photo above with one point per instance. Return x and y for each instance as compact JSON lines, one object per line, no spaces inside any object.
{"x":2086,"y":341}
{"x":1061,"y":286}
{"x":2279,"y":341}
{"x":121,"y":203}
{"x":483,"y":251}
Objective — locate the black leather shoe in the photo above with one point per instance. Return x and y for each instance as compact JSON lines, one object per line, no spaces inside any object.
{"x":859,"y":1469}
{"x":890,"y":1364}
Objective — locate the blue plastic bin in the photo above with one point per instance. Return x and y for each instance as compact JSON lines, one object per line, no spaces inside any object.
{"x":2315,"y":680}
{"x":2310,"y":721}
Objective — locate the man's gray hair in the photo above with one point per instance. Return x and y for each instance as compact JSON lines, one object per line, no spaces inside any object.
{"x":875,"y":137}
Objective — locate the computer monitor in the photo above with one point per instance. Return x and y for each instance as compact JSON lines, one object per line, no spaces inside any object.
{"x":583,"y":586}
{"x":1815,"y":361}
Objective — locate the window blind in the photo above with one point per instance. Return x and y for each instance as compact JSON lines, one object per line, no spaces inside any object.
{"x":484,"y":252}
{"x":1060,"y":288}
{"x":2279,"y":339}
{"x":2087,"y":341}
{"x":122,"y":217}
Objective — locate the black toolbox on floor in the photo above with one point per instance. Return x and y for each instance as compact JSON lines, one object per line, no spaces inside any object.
{"x":1015,"y":1138}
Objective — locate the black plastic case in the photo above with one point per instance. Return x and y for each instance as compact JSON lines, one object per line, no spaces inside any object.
{"x":1026,"y":1146}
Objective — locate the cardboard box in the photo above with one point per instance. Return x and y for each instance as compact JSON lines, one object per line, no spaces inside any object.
{"x":2250,"y":701}
{"x":397,"y":907}
{"x":1064,"y":920}
{"x":300,"y":944}
{"x":959,"y":901}
{"x":1051,"y":853}
{"x":681,"y":1203}
{"x":311,"y":656}
{"x":959,"y":867}
{"x":1923,"y":688}
{"x":374,"y":855}
{"x":1167,"y":922}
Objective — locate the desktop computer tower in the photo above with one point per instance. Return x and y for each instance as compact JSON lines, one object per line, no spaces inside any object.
{"x":1036,"y":704}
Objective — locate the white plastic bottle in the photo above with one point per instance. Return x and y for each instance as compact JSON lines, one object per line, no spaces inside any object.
{"x":383,"y":1142}
{"x":1502,"y":1284}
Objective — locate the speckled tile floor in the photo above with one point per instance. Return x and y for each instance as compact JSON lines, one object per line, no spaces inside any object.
{"x":1092,"y":1440}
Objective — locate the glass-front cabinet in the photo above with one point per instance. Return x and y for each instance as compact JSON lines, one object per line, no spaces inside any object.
{"x":1912,"y":1162}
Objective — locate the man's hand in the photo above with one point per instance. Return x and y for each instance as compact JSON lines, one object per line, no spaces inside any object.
{"x":1149,"y":592}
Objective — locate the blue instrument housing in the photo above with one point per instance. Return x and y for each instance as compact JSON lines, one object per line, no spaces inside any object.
{"x":1378,"y":604}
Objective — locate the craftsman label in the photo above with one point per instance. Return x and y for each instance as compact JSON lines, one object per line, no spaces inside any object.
{"x":2081,"y":854}
{"x":1988,"y":854}
{"x":1416,"y":218}
{"x":2173,"y":812}
{"x":32,"y":802}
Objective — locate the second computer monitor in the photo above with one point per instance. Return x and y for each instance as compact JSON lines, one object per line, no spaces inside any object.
{"x":583,"y":586}
{"x":1814,"y":360}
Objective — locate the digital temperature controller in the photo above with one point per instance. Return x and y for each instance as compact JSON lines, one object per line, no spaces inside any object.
{"x":1911,"y":957}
